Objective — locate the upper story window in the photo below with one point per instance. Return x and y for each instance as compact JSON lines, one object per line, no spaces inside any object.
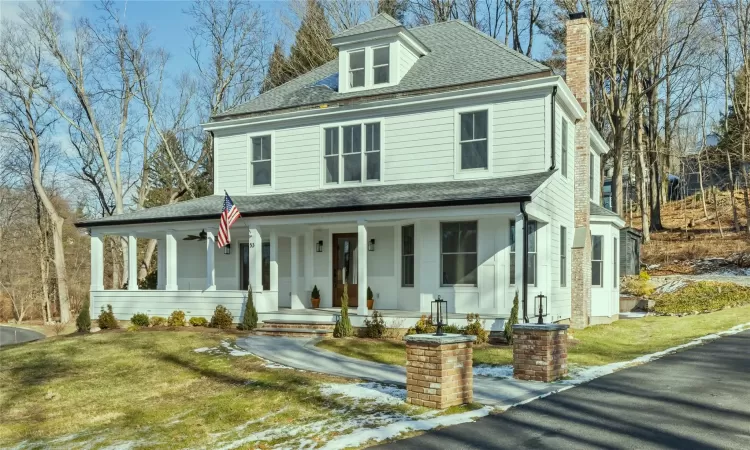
{"x":473,"y":140}
{"x":380,"y":64}
{"x":343,"y":153}
{"x":261,"y":160}
{"x":357,"y":68}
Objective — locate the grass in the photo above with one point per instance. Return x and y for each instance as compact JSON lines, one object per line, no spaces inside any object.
{"x":150,"y":389}
{"x":597,"y":345}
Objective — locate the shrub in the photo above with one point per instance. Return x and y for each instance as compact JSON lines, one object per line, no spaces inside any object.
{"x":315,"y":292}
{"x":157,"y":321}
{"x":198,"y":322}
{"x":107,"y":319}
{"x":476,"y":328}
{"x":222,"y":318}
{"x":250,"y":317}
{"x":512,"y":320}
{"x":452,"y":329}
{"x":83,"y":321}
{"x":643,"y":275}
{"x":177,"y":319}
{"x":375,"y":328}
{"x":423,"y":326}
{"x":638,"y":286}
{"x":343,"y":326}
{"x":139,"y":320}
{"x":369,"y":293}
{"x":702,"y":297}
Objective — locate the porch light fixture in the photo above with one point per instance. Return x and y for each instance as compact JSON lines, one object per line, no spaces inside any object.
{"x":228,"y":249}
{"x":319,"y":247}
{"x":439,"y":314}
{"x":371,"y":245}
{"x":540,"y":305}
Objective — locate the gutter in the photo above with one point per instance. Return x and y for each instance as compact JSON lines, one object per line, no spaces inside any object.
{"x":316,"y":211}
{"x":553,"y":104}
{"x":524,"y":269}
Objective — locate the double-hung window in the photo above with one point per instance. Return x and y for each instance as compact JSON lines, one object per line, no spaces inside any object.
{"x":458,"y":253}
{"x":597,"y":261}
{"x":352,"y":153}
{"x":380,"y":64}
{"x":564,"y":149}
{"x":332,"y":154}
{"x":473,"y":141}
{"x":531,"y":261}
{"x":563,"y":257}
{"x":372,"y":151}
{"x":261,"y":160}
{"x":343,"y":154}
{"x":357,"y":68}
{"x":407,"y":256}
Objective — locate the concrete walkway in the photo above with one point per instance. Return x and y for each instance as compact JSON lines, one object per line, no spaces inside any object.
{"x":16,"y":335}
{"x":301,"y":353}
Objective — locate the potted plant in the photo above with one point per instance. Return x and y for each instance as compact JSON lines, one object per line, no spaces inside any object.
{"x":370,"y":299}
{"x":315,"y":297}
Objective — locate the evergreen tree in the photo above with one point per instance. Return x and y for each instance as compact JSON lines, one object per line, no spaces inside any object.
{"x":278,"y":72}
{"x":311,"y":48}
{"x":394,"y":8}
{"x":343,"y":327}
{"x":83,"y":322}
{"x":250,"y":318}
{"x":512,"y":320}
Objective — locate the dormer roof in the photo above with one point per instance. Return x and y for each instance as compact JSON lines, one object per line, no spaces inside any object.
{"x":379,"y":26}
{"x":380,"y":22}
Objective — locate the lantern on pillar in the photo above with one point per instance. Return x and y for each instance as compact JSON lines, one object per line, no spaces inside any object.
{"x":540,"y":305}
{"x":439,"y":314}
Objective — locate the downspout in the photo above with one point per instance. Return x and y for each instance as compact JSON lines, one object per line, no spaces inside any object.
{"x":524,"y":268}
{"x":553,"y":103}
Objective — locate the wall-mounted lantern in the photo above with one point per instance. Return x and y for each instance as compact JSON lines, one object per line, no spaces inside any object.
{"x":540,"y":305}
{"x":371,"y":245}
{"x":319,"y":247}
{"x":439,"y":314}
{"x":228,"y":249}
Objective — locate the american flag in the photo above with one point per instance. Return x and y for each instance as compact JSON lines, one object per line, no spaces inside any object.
{"x":229,"y":215}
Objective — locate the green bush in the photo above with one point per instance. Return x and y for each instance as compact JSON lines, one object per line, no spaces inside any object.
{"x":250,"y":317}
{"x":177,"y":319}
{"x":198,"y":322}
{"x":643,"y":275}
{"x":343,"y":326}
{"x":139,"y":320}
{"x":107,"y":319}
{"x":452,"y":329}
{"x":83,"y":321}
{"x":475,"y":328}
{"x":702,"y":297}
{"x":637,"y":285}
{"x":375,"y":328}
{"x":512,"y":320}
{"x":423,"y":326}
{"x":157,"y":321}
{"x":222,"y":318}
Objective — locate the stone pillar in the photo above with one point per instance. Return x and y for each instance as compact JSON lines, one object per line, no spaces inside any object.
{"x":439,"y":370}
{"x":540,"y":351}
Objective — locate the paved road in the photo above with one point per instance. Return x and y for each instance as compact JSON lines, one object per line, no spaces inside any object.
{"x":695,"y":399}
{"x":15,"y":335}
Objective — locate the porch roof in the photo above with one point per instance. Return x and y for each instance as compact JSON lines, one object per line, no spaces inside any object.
{"x":359,"y":198}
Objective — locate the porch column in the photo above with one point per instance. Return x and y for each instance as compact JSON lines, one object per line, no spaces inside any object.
{"x":274,"y":264}
{"x":210,"y":270}
{"x":362,"y":268}
{"x":161,"y":256}
{"x":170,"y":262}
{"x":255,"y":258}
{"x":519,"y":264}
{"x":97,"y":262}
{"x":309,"y":249}
{"x":296,"y":302}
{"x":132,"y":263}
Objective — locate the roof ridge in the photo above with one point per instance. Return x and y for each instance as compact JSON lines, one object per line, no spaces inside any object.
{"x":518,"y":55}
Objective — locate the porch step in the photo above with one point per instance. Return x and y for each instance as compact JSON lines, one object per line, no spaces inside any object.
{"x":291,"y":323}
{"x":293,"y":332}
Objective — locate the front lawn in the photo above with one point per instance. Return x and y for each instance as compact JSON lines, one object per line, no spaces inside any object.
{"x":597,"y":345}
{"x":152,"y":389}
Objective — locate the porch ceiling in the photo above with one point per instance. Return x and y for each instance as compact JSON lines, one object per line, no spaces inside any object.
{"x":359,"y":198}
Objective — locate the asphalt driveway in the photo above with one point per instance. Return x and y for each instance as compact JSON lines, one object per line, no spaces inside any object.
{"x":15,"y":335}
{"x":695,"y":399}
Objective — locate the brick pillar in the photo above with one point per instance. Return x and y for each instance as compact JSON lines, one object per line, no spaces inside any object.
{"x":578,"y":48}
{"x":540,"y":352}
{"x":439,"y":370}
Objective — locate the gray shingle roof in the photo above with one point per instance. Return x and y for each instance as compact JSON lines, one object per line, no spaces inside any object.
{"x":380,"y":22}
{"x":359,"y":198}
{"x":459,"y":54}
{"x":596,"y":210}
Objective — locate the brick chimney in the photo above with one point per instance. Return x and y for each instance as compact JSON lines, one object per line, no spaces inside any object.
{"x":578,"y":48}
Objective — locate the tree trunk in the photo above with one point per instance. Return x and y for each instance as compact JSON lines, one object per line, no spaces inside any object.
{"x":735,"y":219}
{"x":700,"y":182}
{"x":145,"y":266}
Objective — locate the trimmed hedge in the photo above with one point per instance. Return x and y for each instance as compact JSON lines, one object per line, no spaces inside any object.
{"x":702,"y":297}
{"x":139,"y":320}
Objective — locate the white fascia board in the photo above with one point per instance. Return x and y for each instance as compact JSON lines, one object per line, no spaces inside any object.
{"x":619,"y":222}
{"x":364,"y":37}
{"x":536,"y":84}
{"x":413,"y":43}
{"x":597,"y":141}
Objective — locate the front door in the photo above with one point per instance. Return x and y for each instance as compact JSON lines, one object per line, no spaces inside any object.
{"x":345,"y":267}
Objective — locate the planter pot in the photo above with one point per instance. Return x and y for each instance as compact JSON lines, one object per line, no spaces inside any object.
{"x":370,"y":303}
{"x":315,"y":303}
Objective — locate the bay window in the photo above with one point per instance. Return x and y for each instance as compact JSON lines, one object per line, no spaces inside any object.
{"x":458,"y":253}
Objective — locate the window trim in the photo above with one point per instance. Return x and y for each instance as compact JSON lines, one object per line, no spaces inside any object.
{"x":459,"y":173}
{"x":599,"y":261}
{"x":374,"y":66}
{"x":349,"y":77}
{"x":249,"y":176}
{"x":413,"y":255}
{"x":363,"y":153}
{"x":440,"y":274}
{"x":563,"y":256}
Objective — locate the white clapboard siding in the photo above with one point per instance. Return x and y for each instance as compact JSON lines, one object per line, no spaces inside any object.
{"x":297,"y":158}
{"x":230,"y":160}
{"x":519,"y":137}
{"x":406,"y":59}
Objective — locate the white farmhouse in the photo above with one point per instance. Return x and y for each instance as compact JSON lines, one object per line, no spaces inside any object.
{"x":411,"y":165}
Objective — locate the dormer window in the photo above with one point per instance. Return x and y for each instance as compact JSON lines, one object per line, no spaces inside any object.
{"x":357,"y":68}
{"x":380,"y":64}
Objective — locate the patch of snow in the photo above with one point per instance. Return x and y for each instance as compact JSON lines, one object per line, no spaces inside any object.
{"x":633,"y":314}
{"x":203,"y":349}
{"x":273,"y":365}
{"x":374,"y":392}
{"x":234,"y":350}
{"x":484,"y":370}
